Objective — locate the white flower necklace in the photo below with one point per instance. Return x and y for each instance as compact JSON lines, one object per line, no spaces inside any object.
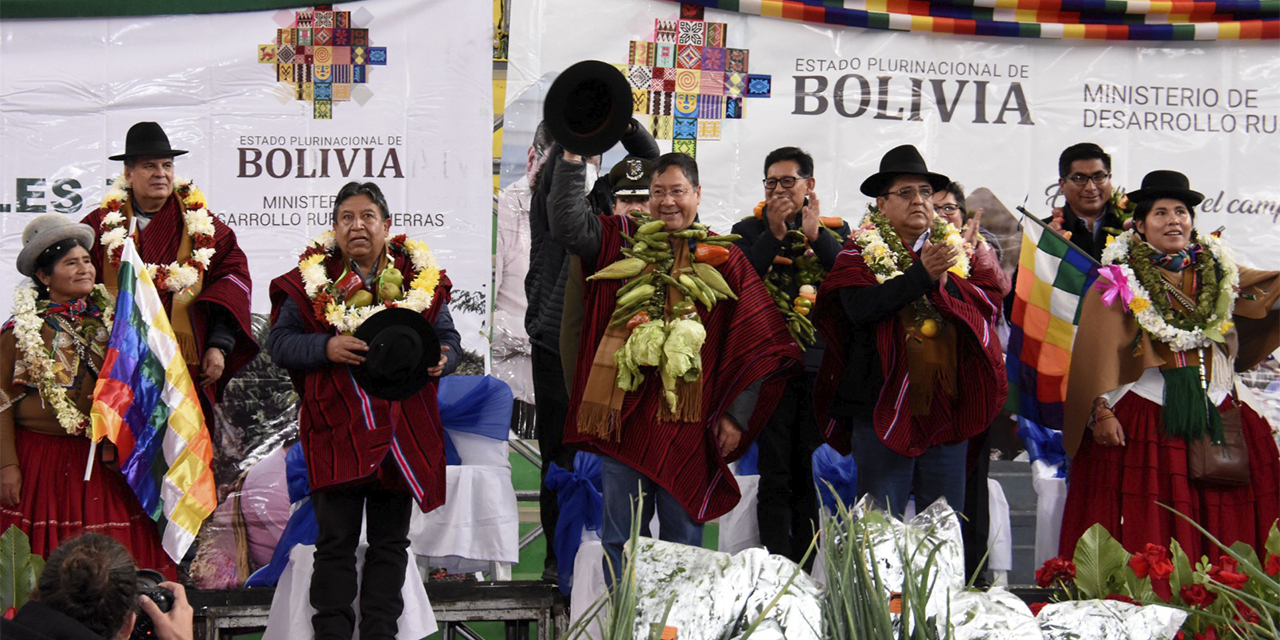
{"x":1118,"y":252}
{"x":179,"y":274}
{"x":887,"y":259}
{"x":39,"y":360}
{"x":331,"y":308}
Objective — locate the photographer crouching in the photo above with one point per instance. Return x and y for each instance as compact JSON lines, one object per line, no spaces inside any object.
{"x":91,"y":590}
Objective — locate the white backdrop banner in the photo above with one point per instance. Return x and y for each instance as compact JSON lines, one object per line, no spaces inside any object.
{"x":278,"y":110}
{"x":989,"y":112}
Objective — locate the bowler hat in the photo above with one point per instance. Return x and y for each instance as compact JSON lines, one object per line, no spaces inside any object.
{"x":1163,"y":183}
{"x":402,"y":346}
{"x":146,"y":139}
{"x":44,"y":232}
{"x":630,"y":177}
{"x":901,"y":160}
{"x":588,"y":107}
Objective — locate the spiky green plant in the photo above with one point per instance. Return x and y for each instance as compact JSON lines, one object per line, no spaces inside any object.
{"x":854,"y":605}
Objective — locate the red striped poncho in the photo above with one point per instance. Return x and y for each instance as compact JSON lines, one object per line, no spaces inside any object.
{"x":226,"y":283}
{"x":349,"y":435}
{"x":981,"y":385}
{"x":747,"y":341}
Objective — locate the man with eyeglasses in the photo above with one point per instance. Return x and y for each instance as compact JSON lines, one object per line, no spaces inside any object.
{"x":670,"y":439}
{"x":790,"y":245}
{"x":1084,"y":179}
{"x":913,"y":368}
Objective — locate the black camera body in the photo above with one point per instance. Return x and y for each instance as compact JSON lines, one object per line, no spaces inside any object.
{"x":149,"y":585}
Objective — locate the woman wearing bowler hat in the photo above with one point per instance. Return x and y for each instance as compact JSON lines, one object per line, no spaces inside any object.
{"x":51,"y":351}
{"x":1154,"y":387}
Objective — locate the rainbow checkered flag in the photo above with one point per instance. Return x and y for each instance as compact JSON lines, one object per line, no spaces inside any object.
{"x":146,"y":404}
{"x":1053,"y":276}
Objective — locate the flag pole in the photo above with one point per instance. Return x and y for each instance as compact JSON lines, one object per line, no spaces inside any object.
{"x":88,"y":464}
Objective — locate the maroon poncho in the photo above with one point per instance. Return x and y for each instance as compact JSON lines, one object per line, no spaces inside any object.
{"x":348,"y":434}
{"x":981,"y":386}
{"x":226,"y":283}
{"x":747,"y":342}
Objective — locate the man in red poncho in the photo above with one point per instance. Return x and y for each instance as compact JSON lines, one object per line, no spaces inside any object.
{"x":369,"y":421}
{"x":672,"y":382}
{"x":913,"y":367}
{"x":200,"y":271}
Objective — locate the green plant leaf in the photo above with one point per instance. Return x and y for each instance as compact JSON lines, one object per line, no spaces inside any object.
{"x":1099,"y":559}
{"x":1182,"y":574}
{"x":15,"y":560}
{"x":1273,"y":539}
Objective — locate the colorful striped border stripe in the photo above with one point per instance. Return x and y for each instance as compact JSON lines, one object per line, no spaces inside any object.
{"x":1178,"y":20}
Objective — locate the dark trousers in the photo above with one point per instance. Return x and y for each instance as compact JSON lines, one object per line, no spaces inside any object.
{"x":552,"y":406}
{"x":333,"y":583}
{"x":787,"y":506}
{"x":977,"y":508}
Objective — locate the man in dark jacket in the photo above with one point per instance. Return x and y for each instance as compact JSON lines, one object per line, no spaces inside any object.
{"x":1084,"y":178}
{"x":790,"y":247}
{"x":545,"y":289}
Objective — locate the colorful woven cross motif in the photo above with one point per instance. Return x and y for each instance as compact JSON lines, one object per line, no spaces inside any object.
{"x":687,"y":80}
{"x":320,"y":55}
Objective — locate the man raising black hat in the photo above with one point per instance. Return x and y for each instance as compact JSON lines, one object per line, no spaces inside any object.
{"x":913,"y":367}
{"x":370,"y":426}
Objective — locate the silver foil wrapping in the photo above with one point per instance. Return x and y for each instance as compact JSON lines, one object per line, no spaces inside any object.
{"x":994,"y":614}
{"x":717,"y":595}
{"x":1109,"y":619}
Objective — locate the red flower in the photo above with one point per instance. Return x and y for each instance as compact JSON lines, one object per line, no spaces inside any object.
{"x":1120,"y":597}
{"x":400,"y":239}
{"x":1036,"y":607}
{"x":1225,"y":572}
{"x":1273,"y":565}
{"x":113,"y":205}
{"x":1195,"y":595}
{"x":1055,"y":570}
{"x":1153,"y":560}
{"x":1209,"y":634}
{"x":1246,"y":614}
{"x":9,"y":613}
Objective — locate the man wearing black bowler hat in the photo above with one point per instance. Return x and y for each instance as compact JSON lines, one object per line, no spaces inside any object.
{"x":913,"y":368}
{"x":210,"y":315}
{"x":363,"y":326}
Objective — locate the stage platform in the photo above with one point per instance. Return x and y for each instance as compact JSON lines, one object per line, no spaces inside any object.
{"x":224,"y":613}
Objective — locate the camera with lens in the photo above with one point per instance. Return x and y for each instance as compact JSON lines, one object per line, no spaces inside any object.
{"x":149,"y":585}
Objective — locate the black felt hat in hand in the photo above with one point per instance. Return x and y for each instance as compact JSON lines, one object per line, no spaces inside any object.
{"x":146,"y":139}
{"x":402,"y":346}
{"x":905,"y":159}
{"x":1163,"y":183}
{"x":588,"y":107}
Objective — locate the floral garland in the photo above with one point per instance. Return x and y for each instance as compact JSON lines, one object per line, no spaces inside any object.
{"x":1155,"y":314}
{"x":885,"y":254}
{"x":177,"y":275}
{"x":39,"y":360}
{"x":331,"y":309}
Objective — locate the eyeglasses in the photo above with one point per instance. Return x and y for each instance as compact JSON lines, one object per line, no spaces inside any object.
{"x":1080,"y":179}
{"x":909,"y":193}
{"x":785,"y":182}
{"x":658,"y":194}
{"x":948,"y":209}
